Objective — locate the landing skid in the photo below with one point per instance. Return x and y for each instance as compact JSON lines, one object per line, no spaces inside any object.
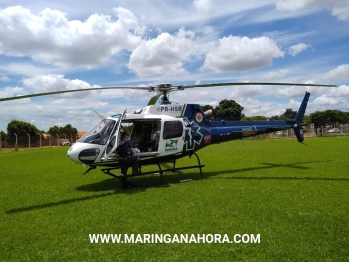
{"x":125,"y":183}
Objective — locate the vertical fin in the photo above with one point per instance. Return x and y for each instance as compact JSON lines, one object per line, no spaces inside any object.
{"x":299,"y":133}
{"x":302,"y":108}
{"x":298,"y":127}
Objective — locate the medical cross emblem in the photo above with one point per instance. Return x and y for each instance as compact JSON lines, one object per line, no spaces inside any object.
{"x":198,"y":117}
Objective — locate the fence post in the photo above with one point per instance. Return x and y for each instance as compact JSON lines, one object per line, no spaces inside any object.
{"x":29,"y":140}
{"x":0,"y":143}
{"x":16,"y":145}
{"x":313,"y":134}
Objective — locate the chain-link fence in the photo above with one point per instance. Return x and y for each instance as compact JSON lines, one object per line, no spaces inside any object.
{"x":35,"y":141}
{"x":309,"y":131}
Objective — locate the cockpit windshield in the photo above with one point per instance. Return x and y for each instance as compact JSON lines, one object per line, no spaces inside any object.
{"x":100,"y":134}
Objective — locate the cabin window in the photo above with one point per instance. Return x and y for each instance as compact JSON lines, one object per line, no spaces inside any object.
{"x":172,"y":129}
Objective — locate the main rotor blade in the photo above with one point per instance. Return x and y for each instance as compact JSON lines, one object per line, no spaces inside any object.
{"x":256,"y":83}
{"x":147,"y":88}
{"x":69,"y":91}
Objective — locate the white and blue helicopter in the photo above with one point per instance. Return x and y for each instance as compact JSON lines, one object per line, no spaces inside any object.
{"x":166,"y":132}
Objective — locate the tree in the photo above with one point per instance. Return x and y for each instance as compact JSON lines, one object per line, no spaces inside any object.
{"x":54,"y":131}
{"x":328,"y":117}
{"x":3,"y":136}
{"x":288,"y":114}
{"x":228,"y":109}
{"x":306,"y":119}
{"x":254,"y":118}
{"x":67,"y":130}
{"x":207,"y":107}
{"x":276,"y":117}
{"x":22,"y":129}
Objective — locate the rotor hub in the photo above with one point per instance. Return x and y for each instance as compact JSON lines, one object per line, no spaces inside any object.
{"x":164,"y":90}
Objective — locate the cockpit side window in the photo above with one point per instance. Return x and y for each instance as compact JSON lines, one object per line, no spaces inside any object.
{"x":172,"y":129}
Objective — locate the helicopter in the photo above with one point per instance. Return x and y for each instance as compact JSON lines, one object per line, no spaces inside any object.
{"x":166,"y":132}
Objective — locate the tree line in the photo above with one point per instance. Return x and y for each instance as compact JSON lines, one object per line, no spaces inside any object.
{"x":23,"y":129}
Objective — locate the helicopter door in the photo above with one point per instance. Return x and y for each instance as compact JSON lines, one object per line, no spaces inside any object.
{"x":173,"y":137}
{"x":113,"y":141}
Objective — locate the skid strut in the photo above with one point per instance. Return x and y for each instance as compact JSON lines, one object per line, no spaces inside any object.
{"x":124,"y":182}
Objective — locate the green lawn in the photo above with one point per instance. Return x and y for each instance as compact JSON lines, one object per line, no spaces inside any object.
{"x":295,"y":196}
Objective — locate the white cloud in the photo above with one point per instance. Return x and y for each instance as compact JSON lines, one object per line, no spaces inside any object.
{"x":206,"y":7}
{"x":339,"y":8}
{"x":234,"y":53}
{"x":274,"y":75}
{"x":51,"y":38}
{"x":51,"y":83}
{"x":335,"y":98}
{"x":102,"y":105}
{"x":205,"y":95}
{"x":325,"y":100}
{"x":11,"y":91}
{"x":254,"y":107}
{"x":290,"y":5}
{"x":342,"y":91}
{"x":298,"y":91}
{"x":164,"y":54}
{"x":296,"y":49}
{"x":339,"y":73}
{"x":60,"y":102}
{"x":27,"y":69}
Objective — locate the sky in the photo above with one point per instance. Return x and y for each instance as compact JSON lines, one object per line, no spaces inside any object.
{"x":62,"y":45}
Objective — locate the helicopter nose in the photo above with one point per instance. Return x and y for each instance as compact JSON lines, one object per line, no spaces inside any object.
{"x":83,"y":153}
{"x":73,"y":154}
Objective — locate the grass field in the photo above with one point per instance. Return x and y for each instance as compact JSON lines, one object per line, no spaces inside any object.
{"x":295,"y":196}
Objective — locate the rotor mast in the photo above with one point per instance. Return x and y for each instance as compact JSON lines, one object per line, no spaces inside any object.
{"x":164,"y":90}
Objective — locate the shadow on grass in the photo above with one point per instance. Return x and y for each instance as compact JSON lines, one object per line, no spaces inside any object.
{"x":114,"y":184}
{"x":267,"y":166}
{"x":271,"y":165}
{"x":153,"y":181}
{"x":150,"y":181}
{"x":105,"y":185}
{"x":53,"y":204}
{"x":102,"y":186}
